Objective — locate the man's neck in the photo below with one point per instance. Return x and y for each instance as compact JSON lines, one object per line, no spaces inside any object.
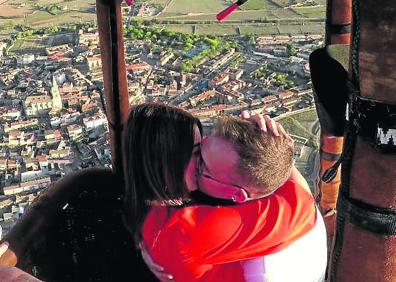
{"x":199,"y":198}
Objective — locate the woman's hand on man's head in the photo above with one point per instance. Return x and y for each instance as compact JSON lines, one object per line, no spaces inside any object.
{"x":265,"y":123}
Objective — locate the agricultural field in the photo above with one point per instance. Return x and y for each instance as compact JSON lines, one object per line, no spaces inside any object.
{"x":14,"y":12}
{"x":32,"y":44}
{"x":288,"y":3}
{"x":306,"y":118}
{"x":243,"y":29}
{"x":186,"y":28}
{"x":290,"y":29}
{"x":258,"y":5}
{"x":186,"y":7}
{"x":36,"y":13}
{"x":300,"y":124}
{"x":313,"y":28}
{"x":162,"y":3}
{"x":72,"y":17}
{"x":310,"y":12}
{"x":258,"y":29}
{"x":216,"y":29}
{"x":193,"y":16}
{"x":240,"y":16}
{"x":254,"y":9}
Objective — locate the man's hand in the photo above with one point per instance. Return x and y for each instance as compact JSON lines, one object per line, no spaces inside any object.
{"x":265,"y":123}
{"x":11,"y":273}
{"x":156,"y":269}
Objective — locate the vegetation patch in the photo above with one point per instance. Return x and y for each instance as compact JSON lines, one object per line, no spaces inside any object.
{"x":216,"y":29}
{"x":258,"y":29}
{"x":313,"y":28}
{"x":162,"y":3}
{"x":294,"y":127}
{"x":185,"y":7}
{"x":184,"y":42}
{"x":258,"y":5}
{"x":306,"y":116}
{"x":311,"y":12}
{"x":54,"y":9}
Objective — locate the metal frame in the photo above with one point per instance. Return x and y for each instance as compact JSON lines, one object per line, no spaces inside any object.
{"x":114,"y":75}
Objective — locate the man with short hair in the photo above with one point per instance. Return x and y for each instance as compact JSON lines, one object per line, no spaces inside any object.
{"x":267,"y":230}
{"x":260,"y":162}
{"x":256,"y":165}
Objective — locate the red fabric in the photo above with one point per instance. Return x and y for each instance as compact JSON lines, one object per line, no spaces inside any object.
{"x":204,"y":243}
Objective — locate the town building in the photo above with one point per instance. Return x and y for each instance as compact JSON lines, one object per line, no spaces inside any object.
{"x":220,"y":79}
{"x":27,"y":186}
{"x":138,"y":67}
{"x":88,"y":38}
{"x":3,"y":46}
{"x":36,"y":105}
{"x":57,"y":104}
{"x":94,"y":62}
{"x":75,"y":131}
{"x":23,"y":124}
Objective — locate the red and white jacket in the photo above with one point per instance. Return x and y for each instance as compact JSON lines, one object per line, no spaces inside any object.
{"x":277,"y":238}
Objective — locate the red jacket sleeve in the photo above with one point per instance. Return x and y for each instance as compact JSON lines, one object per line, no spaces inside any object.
{"x":191,"y":240}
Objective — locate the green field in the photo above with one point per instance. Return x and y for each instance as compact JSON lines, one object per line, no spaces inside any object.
{"x":206,"y":10}
{"x":32,"y":44}
{"x":216,"y":29}
{"x":185,"y":7}
{"x":313,"y":28}
{"x":258,"y":29}
{"x":307,"y":116}
{"x":33,"y":13}
{"x":71,"y":17}
{"x":258,"y":5}
{"x":299,"y":124}
{"x":290,"y":29}
{"x":241,"y":15}
{"x":237,"y":16}
{"x":315,"y":12}
{"x":198,"y":16}
{"x":243,"y":29}
{"x":187,"y":28}
{"x":160,"y":2}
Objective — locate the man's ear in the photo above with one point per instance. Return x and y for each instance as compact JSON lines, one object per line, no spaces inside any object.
{"x":222,"y":191}
{"x":240,"y":196}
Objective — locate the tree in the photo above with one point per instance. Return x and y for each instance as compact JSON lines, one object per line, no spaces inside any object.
{"x":186,"y":67}
{"x":280,"y":79}
{"x":251,"y":38}
{"x":289,"y":84}
{"x":291,"y":48}
{"x":213,"y":43}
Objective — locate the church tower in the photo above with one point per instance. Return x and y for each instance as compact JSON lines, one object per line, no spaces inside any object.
{"x":56,"y":97}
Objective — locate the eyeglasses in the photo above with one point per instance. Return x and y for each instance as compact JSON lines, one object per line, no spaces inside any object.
{"x":206,"y":182}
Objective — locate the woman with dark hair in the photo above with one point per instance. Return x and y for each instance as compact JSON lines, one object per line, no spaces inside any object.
{"x":193,"y":238}
{"x":158,"y":145}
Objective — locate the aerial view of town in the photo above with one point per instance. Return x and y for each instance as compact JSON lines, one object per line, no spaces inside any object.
{"x":53,"y":119}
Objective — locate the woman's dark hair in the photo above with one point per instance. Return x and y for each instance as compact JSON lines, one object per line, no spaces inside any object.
{"x":158,"y":143}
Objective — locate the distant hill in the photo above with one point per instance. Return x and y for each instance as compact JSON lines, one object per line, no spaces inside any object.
{"x":254,"y":17}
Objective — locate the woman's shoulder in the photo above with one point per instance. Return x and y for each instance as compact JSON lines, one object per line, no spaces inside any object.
{"x":292,"y":189}
{"x":194,"y":216}
{"x":206,"y":213}
{"x":192,"y":222}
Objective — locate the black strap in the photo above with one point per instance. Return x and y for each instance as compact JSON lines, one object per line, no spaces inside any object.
{"x":329,"y":156}
{"x":339,"y":28}
{"x":376,"y":220}
{"x":375,"y":121}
